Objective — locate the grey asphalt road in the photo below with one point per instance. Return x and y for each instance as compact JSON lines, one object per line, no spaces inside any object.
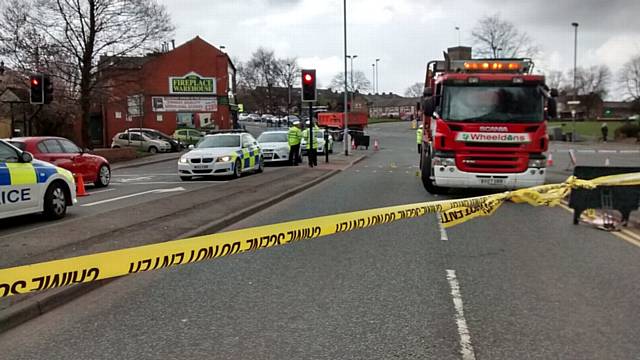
{"x":528,"y":285}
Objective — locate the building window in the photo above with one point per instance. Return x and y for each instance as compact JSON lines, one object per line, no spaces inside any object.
{"x":118,"y":115}
{"x":159,"y":117}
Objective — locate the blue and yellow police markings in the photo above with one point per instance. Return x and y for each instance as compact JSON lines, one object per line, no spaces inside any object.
{"x":248,"y":158}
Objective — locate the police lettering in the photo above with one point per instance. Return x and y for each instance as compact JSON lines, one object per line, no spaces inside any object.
{"x":14,"y":196}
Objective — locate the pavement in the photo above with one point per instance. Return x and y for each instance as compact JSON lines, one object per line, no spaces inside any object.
{"x":522,"y":284}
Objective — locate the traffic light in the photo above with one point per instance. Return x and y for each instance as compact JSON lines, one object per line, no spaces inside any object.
{"x":48,"y":89}
{"x":308,"y":85}
{"x":36,"y":82}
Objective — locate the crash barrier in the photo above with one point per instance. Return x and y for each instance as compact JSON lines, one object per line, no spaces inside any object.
{"x":88,"y":268}
{"x":361,"y":140}
{"x":624,"y":199}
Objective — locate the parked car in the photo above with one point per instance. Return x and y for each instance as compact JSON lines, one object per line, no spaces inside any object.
{"x":275,"y":146}
{"x":64,"y":153}
{"x":158,"y":135}
{"x":243,"y":117}
{"x":254,"y":117}
{"x":33,"y":186}
{"x":188,"y":136}
{"x":231,"y":153}
{"x":322,"y":145}
{"x":140,"y":141}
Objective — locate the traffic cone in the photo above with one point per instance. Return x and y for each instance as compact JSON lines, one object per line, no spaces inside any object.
{"x":376,"y":146}
{"x":607,"y":162}
{"x":80,"y":190}
{"x":550,"y":160}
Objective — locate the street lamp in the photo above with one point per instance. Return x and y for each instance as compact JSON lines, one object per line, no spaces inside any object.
{"x":289,"y":90}
{"x":353,"y":88}
{"x":373,"y":76}
{"x":575,"y":69}
{"x":377,"y":77}
{"x":458,"y":30}
{"x":346,"y":114}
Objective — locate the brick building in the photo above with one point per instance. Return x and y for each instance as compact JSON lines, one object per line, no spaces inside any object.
{"x":192,"y":85}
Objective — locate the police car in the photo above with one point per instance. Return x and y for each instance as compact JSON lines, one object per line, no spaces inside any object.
{"x":32,"y":186}
{"x":230,"y":153}
{"x":275,"y":145}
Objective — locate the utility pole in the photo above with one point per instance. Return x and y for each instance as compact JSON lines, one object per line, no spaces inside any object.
{"x":353,"y":88}
{"x":575,"y":68}
{"x":377,"y":77}
{"x":373,"y":76}
{"x":346,"y":89}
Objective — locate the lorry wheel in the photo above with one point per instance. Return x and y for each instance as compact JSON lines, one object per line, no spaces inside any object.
{"x":425,"y":167}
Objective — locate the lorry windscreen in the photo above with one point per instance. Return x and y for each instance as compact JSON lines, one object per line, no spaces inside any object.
{"x":493,"y":103}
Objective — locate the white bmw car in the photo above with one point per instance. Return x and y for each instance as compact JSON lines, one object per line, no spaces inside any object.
{"x":232,"y":153}
{"x":275,"y":146}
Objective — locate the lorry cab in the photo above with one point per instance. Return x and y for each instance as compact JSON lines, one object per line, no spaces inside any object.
{"x":485,"y":124}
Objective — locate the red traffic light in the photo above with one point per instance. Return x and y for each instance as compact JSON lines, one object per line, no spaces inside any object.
{"x":308,"y":78}
{"x":34,"y":82}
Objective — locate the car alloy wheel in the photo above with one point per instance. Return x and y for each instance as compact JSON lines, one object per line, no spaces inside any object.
{"x":104,"y":176}
{"x":55,"y":206}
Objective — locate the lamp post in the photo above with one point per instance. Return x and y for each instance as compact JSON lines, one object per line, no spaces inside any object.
{"x":458,"y":31}
{"x":377,"y":77}
{"x":346,"y":114}
{"x":289,"y":90}
{"x":575,"y":68}
{"x":373,"y":77}
{"x":353,"y":88}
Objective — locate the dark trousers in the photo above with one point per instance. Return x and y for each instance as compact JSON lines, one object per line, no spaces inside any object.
{"x":313,"y":157}
{"x":294,"y":154}
{"x":419,"y":148}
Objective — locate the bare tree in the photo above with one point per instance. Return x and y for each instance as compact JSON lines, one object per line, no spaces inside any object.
{"x":360,"y":82}
{"x":630,"y":78}
{"x":70,"y":36}
{"x":495,"y":38}
{"x":289,"y":75}
{"x":555,"y":79}
{"x":592,"y":80}
{"x":415,"y":90}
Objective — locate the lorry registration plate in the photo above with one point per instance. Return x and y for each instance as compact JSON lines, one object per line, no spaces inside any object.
{"x":492,"y":181}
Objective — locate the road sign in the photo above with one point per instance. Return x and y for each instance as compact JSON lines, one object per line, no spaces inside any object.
{"x":573,"y":102}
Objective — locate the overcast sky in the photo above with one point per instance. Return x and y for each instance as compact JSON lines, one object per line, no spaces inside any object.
{"x":406,"y":34}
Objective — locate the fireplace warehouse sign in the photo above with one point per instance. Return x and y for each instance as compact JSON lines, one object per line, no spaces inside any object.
{"x":192,"y":84}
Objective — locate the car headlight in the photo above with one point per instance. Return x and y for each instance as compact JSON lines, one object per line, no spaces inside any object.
{"x":183,"y":159}
{"x":224,"y":159}
{"x":537,"y":163}
{"x":440,"y":161}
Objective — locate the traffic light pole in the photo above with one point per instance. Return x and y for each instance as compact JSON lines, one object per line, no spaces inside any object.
{"x":310,"y":141}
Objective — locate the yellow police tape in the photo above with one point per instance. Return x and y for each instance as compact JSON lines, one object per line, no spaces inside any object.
{"x":81,"y":269}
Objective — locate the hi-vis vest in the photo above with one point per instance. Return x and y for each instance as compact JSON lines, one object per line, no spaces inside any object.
{"x":419,"y":136}
{"x":305,"y":135}
{"x":294,"y":136}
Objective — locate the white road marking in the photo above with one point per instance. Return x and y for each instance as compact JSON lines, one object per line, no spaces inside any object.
{"x":587,"y":151}
{"x":155,"y":191}
{"x":629,"y":151}
{"x":140,"y":178}
{"x":443,"y":231}
{"x":466,"y":349}
{"x":101,"y":191}
{"x":175,"y":182}
{"x":607,"y":151}
{"x":129,"y":175}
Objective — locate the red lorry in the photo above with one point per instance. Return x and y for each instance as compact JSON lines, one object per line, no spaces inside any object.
{"x":335,"y":122}
{"x":484,"y":123}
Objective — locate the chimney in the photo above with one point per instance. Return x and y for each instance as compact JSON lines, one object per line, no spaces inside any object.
{"x":459,"y":53}
{"x":173,"y":44}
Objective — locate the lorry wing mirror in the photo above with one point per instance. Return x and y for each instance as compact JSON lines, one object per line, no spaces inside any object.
{"x":552,"y":108}
{"x":428,"y":106}
{"x":428,"y":92}
{"x":553,"y":93}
